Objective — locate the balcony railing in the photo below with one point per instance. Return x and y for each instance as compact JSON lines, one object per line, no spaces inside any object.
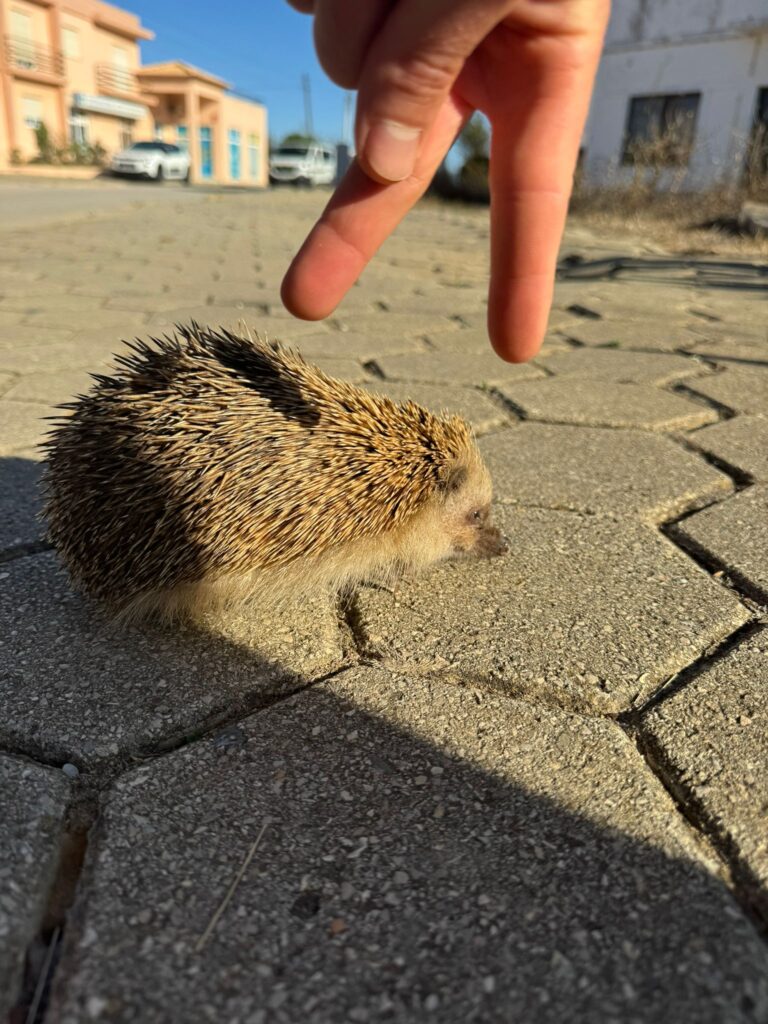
{"x":112,"y":79}
{"x":24,"y":55}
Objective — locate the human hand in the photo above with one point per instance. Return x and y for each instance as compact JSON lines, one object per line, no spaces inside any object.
{"x":421,"y":68}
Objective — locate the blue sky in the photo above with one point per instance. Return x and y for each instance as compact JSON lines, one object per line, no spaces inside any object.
{"x":262,"y":48}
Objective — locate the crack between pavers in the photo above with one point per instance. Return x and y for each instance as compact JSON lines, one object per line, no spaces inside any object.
{"x":743,"y":885}
{"x":24,"y":550}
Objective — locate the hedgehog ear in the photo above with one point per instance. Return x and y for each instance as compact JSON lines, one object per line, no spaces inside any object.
{"x":452,"y":480}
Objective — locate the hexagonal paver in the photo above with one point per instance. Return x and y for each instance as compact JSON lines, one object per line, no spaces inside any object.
{"x":621,"y":366}
{"x":559,"y":616}
{"x":712,"y":738}
{"x":589,"y":469}
{"x":734,"y":536}
{"x":75,"y":687}
{"x":633,"y":334}
{"x":338,"y":344}
{"x":32,"y":804}
{"x":50,"y":388}
{"x":397,"y":324}
{"x":744,"y":389}
{"x":478,"y":368}
{"x":741,"y":442}
{"x":22,"y":424}
{"x":604,"y":403}
{"x":381,"y":848}
{"x":20,"y":503}
{"x":480,"y":411}
{"x":233,"y":318}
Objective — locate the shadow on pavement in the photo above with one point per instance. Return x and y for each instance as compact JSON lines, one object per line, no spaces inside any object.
{"x":741,"y":276}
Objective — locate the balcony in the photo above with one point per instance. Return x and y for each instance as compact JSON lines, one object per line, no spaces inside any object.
{"x":115,"y":81}
{"x":36,"y":63}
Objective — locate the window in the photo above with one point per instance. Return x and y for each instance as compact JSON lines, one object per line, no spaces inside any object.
{"x":78,"y":129}
{"x":757,"y":154}
{"x":126,"y":134}
{"x":181,"y":135}
{"x":120,"y":58}
{"x":70,"y":43}
{"x":32,"y":111}
{"x":253,"y":154}
{"x":660,"y":129}
{"x":23,"y":48}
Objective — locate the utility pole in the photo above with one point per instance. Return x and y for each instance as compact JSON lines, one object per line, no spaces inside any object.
{"x":309,"y":128}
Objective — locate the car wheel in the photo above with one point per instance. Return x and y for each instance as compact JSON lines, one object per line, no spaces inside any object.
{"x":159,"y":173}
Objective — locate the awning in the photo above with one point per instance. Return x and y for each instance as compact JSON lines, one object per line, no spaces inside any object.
{"x":108,"y":105}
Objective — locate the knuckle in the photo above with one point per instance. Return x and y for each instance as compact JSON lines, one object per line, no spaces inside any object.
{"x":424,"y":75}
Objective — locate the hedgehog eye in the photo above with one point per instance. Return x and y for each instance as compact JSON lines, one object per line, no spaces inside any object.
{"x":479,"y":515}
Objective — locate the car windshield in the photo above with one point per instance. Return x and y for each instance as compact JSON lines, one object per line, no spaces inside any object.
{"x":292,"y":151}
{"x":146,"y":145}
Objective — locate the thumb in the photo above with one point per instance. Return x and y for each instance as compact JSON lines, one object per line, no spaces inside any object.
{"x":408,"y":74}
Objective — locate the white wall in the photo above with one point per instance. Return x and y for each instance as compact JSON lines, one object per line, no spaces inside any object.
{"x":634,"y":21}
{"x":727,"y":72}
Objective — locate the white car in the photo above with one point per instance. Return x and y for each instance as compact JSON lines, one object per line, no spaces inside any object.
{"x":303,"y":164}
{"x":157,"y":160}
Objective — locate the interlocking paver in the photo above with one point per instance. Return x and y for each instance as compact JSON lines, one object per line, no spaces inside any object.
{"x":19,"y":503}
{"x":22,"y":425}
{"x":232,"y":317}
{"x":73,"y":687}
{"x":740,"y":388}
{"x":713,"y":737}
{"x":423,"y":852}
{"x":400,"y":324}
{"x":340,"y":344}
{"x":559,"y":616}
{"x":50,"y":388}
{"x":589,"y":469}
{"x":480,"y":411}
{"x":633,"y":334}
{"x":605,"y":403}
{"x":735,"y":536}
{"x":478,"y":368}
{"x":32,"y":804}
{"x":622,"y":366}
{"x":741,"y":442}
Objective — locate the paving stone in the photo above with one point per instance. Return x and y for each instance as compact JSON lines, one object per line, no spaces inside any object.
{"x":14,"y":337}
{"x":343,"y":369}
{"x":741,"y":442}
{"x":233,"y":318}
{"x":22,"y":424}
{"x":118,"y":320}
{"x":339,"y":344}
{"x":589,"y":469}
{"x":558,"y":617}
{"x":398,"y":324}
{"x":74,"y":687}
{"x":32,"y":804}
{"x":711,"y":736}
{"x":727,"y":351}
{"x":744,"y":389}
{"x":633,"y":334}
{"x":621,"y":366}
{"x":734,"y":535}
{"x":476,"y":368}
{"x":20,"y":502}
{"x":480,"y":411}
{"x":406,"y":851}
{"x":50,"y":389}
{"x":6,"y":381}
{"x":605,"y":403}
{"x":47,"y":301}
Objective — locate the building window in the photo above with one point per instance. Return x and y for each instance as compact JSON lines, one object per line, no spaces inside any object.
{"x":78,"y":129}
{"x":661,"y":129}
{"x":757,"y":153}
{"x":234,"y":154}
{"x":32,"y":112}
{"x":182,"y":137}
{"x":253,"y":154}
{"x":126,"y":134}
{"x":22,"y":45}
{"x":159,"y":131}
{"x":70,"y":43}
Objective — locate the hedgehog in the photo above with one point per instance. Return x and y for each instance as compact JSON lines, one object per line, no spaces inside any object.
{"x":211,"y":467}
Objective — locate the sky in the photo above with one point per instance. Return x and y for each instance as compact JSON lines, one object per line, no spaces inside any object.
{"x":261,"y":48}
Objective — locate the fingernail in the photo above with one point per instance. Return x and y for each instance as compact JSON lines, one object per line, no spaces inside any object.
{"x":391,"y":148}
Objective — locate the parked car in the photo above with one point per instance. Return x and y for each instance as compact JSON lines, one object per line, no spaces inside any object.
{"x":154,"y":159}
{"x":303,"y":164}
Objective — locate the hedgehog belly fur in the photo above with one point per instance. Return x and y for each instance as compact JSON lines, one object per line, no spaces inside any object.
{"x":212,"y":468}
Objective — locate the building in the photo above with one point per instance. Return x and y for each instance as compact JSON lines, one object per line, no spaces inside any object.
{"x":684,"y":82}
{"x":226,"y":133}
{"x":75,"y":66}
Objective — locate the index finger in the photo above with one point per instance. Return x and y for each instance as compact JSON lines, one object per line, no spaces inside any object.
{"x":361,"y":214}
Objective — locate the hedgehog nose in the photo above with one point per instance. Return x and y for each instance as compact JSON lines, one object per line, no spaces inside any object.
{"x":492,"y":542}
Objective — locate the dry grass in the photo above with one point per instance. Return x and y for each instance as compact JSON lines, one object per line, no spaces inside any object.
{"x":691,"y":224}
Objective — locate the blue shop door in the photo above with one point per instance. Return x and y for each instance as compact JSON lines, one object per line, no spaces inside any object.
{"x":234,"y":154}
{"x":206,"y":162}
